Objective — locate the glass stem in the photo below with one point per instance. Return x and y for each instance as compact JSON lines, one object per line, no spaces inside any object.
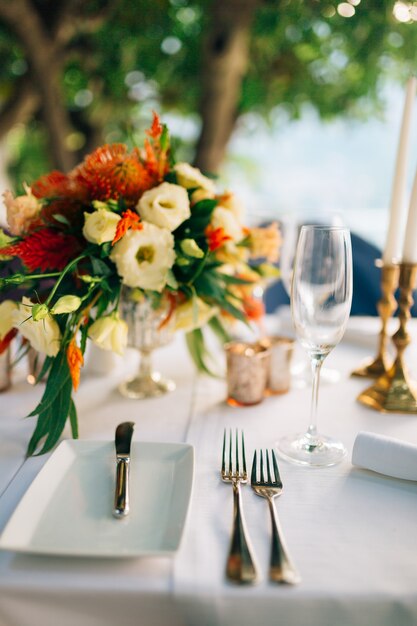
{"x":316,"y":363}
{"x":145,"y":366}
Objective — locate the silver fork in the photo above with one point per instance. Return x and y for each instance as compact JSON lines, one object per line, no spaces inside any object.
{"x":240,"y":566}
{"x":281,"y":569}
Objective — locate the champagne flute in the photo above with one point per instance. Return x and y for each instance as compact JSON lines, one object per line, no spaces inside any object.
{"x":321,"y":297}
{"x":291,"y":225}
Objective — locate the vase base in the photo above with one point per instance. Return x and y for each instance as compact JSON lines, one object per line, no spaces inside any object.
{"x":149,"y":387}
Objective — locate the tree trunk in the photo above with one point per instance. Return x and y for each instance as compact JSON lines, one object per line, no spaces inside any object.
{"x":45,"y":67}
{"x":225,"y":62}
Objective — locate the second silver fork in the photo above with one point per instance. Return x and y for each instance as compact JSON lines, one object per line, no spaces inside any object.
{"x":240,"y":567}
{"x":281,"y":568}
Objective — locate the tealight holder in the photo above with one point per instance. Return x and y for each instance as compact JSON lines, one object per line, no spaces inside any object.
{"x":394,"y":392}
{"x":386,"y":307}
{"x":279,"y":374}
{"x":247,"y":372}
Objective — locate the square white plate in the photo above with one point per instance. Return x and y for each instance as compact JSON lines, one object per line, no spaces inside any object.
{"x":67,"y":510}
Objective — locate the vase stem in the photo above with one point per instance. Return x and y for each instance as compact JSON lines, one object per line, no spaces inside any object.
{"x":145,"y":366}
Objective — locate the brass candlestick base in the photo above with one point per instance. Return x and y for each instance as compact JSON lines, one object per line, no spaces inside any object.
{"x":394,"y":392}
{"x":386,"y":307}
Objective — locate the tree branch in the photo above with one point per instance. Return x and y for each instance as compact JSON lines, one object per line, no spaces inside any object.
{"x":20,"y":106}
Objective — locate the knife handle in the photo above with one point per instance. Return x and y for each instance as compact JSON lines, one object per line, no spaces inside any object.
{"x":121,"y":496}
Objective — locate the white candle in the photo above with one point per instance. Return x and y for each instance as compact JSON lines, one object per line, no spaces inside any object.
{"x":392,"y":251}
{"x":410,"y":241}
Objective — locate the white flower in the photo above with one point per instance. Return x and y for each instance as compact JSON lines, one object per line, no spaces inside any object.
{"x":6,"y":320}
{"x":66,"y":304}
{"x":225,"y":219}
{"x":191,"y":177}
{"x":193,"y":314}
{"x":109,"y":333}
{"x":43,"y":335}
{"x":21,"y":211}
{"x":143,"y":257}
{"x":166,"y":206}
{"x":231,"y":202}
{"x":100,"y":226}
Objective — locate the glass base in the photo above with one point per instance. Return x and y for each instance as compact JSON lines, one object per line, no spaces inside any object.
{"x":319,"y":451}
{"x":146,"y":387}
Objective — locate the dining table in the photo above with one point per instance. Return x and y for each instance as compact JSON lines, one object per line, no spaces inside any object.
{"x":351,"y":532}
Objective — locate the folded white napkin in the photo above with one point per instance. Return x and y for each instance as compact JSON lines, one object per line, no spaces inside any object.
{"x":385,"y":455}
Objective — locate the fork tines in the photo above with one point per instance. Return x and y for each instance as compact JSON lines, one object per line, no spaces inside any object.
{"x":233,"y":456}
{"x":273,"y":477}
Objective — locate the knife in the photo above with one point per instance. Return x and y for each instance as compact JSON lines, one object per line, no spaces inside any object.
{"x":123,"y":440}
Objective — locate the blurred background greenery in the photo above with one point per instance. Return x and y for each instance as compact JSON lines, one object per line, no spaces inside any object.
{"x":230,"y":76}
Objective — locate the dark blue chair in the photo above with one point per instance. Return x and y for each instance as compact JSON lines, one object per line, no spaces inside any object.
{"x":366,"y":282}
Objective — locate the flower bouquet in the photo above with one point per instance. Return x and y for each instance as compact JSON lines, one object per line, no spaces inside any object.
{"x":131,"y":218}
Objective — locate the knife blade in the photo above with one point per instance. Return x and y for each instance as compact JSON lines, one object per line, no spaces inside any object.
{"x":123,"y":439}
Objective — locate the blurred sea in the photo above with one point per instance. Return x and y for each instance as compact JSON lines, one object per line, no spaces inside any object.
{"x":314,"y":169}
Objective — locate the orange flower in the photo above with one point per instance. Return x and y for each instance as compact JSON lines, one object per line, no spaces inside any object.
{"x":155,"y":131}
{"x":129,"y":220}
{"x":111,"y":172}
{"x":75,"y":362}
{"x":216,"y":237}
{"x":253,"y":308}
{"x":155,"y":155}
{"x":58,"y":185}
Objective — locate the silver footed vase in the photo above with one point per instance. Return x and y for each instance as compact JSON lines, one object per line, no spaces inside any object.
{"x":149,"y":327}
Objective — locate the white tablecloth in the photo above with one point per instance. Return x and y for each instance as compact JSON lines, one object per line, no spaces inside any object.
{"x":351,"y":532}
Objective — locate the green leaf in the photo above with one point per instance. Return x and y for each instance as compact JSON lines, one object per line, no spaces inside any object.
{"x":105,"y":249}
{"x":61,"y":218}
{"x":234,"y":311}
{"x":57,"y":375}
{"x":204,"y":207}
{"x":61,"y":409}
{"x":100,"y":268}
{"x":198,"y":352}
{"x":73,"y":419}
{"x":232,"y":280}
{"x":45,"y":367}
{"x":164,"y":140}
{"x":219,"y":330}
{"x":54,"y":408}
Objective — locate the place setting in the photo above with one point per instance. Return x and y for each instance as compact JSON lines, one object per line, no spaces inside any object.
{"x":121,"y":499}
{"x":208,"y":374}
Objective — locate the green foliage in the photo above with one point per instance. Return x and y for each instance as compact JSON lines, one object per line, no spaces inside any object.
{"x":148,"y":55}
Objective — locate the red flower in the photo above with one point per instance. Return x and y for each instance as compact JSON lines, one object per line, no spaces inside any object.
{"x":63,"y":195}
{"x":129,"y":220}
{"x":110,"y":172}
{"x":45,"y":250}
{"x":216,"y":237}
{"x":7,"y":339}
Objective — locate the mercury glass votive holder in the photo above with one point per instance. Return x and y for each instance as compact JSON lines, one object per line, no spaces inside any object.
{"x":281,"y":351}
{"x":247,"y":372}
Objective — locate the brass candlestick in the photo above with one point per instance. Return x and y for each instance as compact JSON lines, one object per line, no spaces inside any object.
{"x":394,"y":392}
{"x":386,"y":307}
